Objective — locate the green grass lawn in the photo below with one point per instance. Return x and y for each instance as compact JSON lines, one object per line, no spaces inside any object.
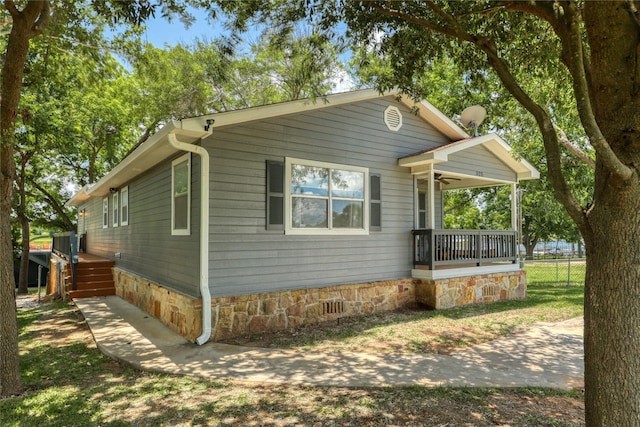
{"x":70,"y":383}
{"x":561,"y":271}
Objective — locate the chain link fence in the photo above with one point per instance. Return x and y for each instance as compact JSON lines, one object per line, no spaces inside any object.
{"x":560,"y":271}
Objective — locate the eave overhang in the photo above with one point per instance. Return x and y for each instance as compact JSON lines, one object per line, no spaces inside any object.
{"x":151,"y":152}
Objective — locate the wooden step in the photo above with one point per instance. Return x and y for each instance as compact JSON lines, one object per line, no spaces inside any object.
{"x":98,"y":284}
{"x":97,"y":277}
{"x":87,"y":293}
{"x":97,"y":269}
{"x":94,"y":277}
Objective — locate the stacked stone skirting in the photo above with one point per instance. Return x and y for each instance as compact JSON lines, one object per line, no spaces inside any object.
{"x":256,"y":313}
{"x":441,"y":294}
{"x":180,"y":312}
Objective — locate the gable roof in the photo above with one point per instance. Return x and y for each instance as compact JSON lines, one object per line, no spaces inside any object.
{"x":191,"y":130}
{"x":425,"y":110}
{"x":426,"y":160}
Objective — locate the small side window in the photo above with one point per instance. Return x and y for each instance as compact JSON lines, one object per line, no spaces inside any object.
{"x":181,"y":196}
{"x":124,"y":206}
{"x":105,"y":212}
{"x":116,"y":209}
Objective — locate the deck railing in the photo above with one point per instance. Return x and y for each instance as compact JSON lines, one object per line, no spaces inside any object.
{"x":444,"y":247}
{"x":65,"y":244}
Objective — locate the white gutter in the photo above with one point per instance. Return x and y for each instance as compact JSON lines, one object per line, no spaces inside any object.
{"x":204,"y":232}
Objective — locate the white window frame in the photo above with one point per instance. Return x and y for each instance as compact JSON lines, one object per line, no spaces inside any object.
{"x":124,"y":202}
{"x":289,"y":229}
{"x":115,"y":208}
{"x":105,"y":212}
{"x":181,"y":231}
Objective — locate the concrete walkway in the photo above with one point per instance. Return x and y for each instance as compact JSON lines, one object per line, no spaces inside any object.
{"x":546,"y":356}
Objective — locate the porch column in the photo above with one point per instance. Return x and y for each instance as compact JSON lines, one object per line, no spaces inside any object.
{"x":514,"y":207}
{"x":431,"y":201}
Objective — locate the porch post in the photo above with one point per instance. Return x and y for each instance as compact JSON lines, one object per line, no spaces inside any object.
{"x":431,"y":201}
{"x":515,"y":217}
{"x":514,"y":207}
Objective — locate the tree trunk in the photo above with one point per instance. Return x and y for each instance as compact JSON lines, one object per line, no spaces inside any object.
{"x":612,"y":313}
{"x":612,"y":285}
{"x":26,"y":24}
{"x":529,"y":245}
{"x":23,"y":278}
{"x":12,"y":73}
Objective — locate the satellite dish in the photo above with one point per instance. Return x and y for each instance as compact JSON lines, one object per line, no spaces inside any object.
{"x":472,"y":117}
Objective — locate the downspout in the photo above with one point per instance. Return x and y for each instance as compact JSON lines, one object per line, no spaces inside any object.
{"x":204,"y":232}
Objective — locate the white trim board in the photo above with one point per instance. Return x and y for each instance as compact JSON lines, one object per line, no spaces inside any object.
{"x":450,"y":273}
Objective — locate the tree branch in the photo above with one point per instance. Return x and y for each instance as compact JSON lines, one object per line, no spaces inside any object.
{"x":11,"y":7}
{"x":395,"y":13}
{"x":564,"y":140}
{"x":573,"y":50}
{"x":43,"y":19}
{"x":57,"y":207}
{"x":633,"y":12}
{"x":574,"y":54}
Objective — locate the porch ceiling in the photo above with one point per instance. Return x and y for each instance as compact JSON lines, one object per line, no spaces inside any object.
{"x":453,"y":181}
{"x":438,"y":162}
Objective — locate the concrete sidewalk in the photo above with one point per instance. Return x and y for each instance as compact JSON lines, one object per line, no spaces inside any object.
{"x":549,"y":356}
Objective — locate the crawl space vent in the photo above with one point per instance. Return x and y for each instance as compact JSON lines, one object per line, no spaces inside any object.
{"x":393,"y":118}
{"x":333,"y":307}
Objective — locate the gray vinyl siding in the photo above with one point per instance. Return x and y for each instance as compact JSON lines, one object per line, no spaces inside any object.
{"x":146,"y":246}
{"x":247,"y":258}
{"x":439,"y":208}
{"x":478,"y":161}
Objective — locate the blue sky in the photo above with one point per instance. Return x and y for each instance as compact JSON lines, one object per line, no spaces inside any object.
{"x":161,"y":32}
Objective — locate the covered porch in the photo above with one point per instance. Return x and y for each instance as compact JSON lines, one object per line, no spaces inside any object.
{"x":482,"y":161}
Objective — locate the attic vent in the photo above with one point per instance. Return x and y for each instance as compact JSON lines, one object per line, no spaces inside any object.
{"x":393,"y":118}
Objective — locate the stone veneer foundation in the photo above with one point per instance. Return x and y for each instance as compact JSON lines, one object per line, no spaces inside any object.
{"x":441,"y":294}
{"x":256,"y":313}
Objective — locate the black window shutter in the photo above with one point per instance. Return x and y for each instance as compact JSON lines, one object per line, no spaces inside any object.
{"x":275,"y":195}
{"x":375,"y":203}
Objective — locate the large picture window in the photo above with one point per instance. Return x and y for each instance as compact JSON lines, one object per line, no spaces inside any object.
{"x":326,"y":198}
{"x":181,"y":195}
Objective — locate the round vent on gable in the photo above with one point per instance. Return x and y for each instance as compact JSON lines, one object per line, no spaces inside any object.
{"x":393,"y":118}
